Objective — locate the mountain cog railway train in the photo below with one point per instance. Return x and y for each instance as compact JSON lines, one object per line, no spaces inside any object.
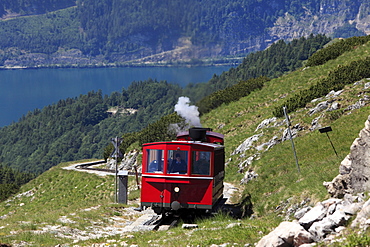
{"x":186,"y":174}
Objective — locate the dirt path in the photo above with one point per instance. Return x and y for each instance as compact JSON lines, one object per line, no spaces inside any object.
{"x":99,"y":173}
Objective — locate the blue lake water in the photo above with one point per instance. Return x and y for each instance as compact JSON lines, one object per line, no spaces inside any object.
{"x":22,"y":91}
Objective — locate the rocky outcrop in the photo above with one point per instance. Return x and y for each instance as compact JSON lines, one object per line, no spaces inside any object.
{"x":286,"y":234}
{"x":326,"y":220}
{"x":322,"y":223}
{"x":354,"y":171}
{"x":331,"y":15}
{"x":246,"y":145}
{"x":128,"y":162}
{"x":250,"y":144}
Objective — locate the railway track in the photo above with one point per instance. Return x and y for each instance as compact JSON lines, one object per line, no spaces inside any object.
{"x":153,"y":222}
{"x":87,"y":166}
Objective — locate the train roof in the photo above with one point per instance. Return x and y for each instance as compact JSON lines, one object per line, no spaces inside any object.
{"x":205,"y":144}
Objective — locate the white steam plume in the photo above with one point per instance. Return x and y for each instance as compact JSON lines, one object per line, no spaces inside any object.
{"x":187,"y":111}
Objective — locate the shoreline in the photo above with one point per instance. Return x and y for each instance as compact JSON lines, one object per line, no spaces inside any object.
{"x":95,"y":66}
{"x":83,"y":63}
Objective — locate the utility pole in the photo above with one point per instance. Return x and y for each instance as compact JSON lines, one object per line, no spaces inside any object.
{"x":116,"y":154}
{"x":291,"y":139}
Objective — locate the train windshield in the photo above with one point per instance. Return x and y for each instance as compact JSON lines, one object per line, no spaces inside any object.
{"x":201,"y":163}
{"x":155,"y":158}
{"x":177,"y":162}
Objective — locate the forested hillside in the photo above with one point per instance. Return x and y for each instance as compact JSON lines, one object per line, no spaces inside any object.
{"x":107,"y":33}
{"x":81,"y":127}
{"x":114,"y":25}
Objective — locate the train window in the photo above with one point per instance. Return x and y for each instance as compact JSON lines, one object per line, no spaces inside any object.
{"x":155,"y":158}
{"x":177,"y":162}
{"x":200,"y":163}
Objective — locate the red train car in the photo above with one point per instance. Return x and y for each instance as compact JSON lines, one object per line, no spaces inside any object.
{"x":184,"y":174}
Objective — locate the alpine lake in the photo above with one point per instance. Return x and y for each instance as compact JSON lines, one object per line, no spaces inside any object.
{"x":24,"y":90}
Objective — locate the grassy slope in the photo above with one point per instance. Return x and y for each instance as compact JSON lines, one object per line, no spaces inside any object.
{"x":278,"y":178}
{"x":58,"y":192}
{"x":50,"y":196}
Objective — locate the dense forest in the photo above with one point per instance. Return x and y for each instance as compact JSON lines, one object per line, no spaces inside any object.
{"x":11,"y":180}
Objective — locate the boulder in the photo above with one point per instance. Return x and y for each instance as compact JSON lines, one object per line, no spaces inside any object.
{"x":320,"y":107}
{"x":336,"y":216}
{"x":320,"y":229}
{"x":338,"y":187}
{"x":247,"y":144}
{"x":362,"y":217}
{"x":317,"y":213}
{"x":300,"y":213}
{"x":352,"y":208}
{"x":265,"y":123}
{"x":285,"y":235}
{"x":334,"y":106}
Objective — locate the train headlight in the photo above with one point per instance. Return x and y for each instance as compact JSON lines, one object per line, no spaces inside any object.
{"x":176,"y":189}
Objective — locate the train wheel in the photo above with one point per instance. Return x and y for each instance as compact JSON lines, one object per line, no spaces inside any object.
{"x":158,"y":210}
{"x":189,"y":216}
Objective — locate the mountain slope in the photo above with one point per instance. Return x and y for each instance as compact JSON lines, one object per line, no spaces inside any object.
{"x":279,"y":186}
{"x":111,"y":33}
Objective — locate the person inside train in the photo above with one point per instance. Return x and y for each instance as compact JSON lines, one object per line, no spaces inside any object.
{"x":156,"y":166}
{"x":178,"y":165}
{"x":201,"y":167}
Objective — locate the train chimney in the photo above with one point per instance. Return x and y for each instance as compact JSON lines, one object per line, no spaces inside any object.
{"x":198,"y":134}
{"x":201,"y":134}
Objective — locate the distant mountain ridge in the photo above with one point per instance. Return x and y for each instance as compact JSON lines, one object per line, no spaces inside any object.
{"x":110,"y":33}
